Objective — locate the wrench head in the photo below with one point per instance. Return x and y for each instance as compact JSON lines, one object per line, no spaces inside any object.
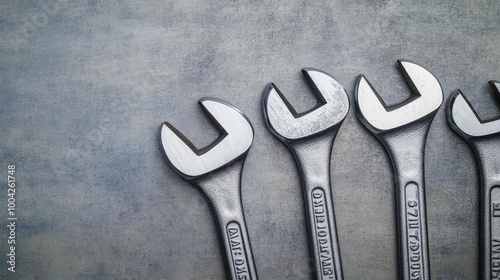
{"x":235,"y":140}
{"x":284,"y":122}
{"x":464,"y":120}
{"x":378,"y":117}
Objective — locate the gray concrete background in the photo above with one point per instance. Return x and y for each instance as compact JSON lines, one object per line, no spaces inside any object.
{"x":85,"y":86}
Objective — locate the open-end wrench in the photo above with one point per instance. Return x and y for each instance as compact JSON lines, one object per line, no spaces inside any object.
{"x":310,"y":137}
{"x":402,"y":129}
{"x":216,"y":172}
{"x":484,"y":138}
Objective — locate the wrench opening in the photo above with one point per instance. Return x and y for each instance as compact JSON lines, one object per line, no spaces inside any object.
{"x":377,"y":116}
{"x":236,"y":137}
{"x":190,"y":144}
{"x":284,"y":121}
{"x":222,"y":132}
{"x":415,"y":93}
{"x":464,"y":119}
{"x":320,"y":99}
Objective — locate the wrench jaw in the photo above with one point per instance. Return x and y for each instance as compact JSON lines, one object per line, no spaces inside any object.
{"x":288,"y":125}
{"x":377,"y":117}
{"x":405,"y":124}
{"x":363,"y":91}
{"x":274,"y":98}
{"x":236,"y":137}
{"x":465,"y":121}
{"x":458,"y":110}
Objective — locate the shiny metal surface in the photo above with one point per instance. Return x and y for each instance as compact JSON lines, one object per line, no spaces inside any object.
{"x":427,"y":97}
{"x":216,"y":172}
{"x":466,"y":120}
{"x":484,"y":138}
{"x":235,"y":140}
{"x":85,"y":85}
{"x":310,"y":137}
{"x":285,"y":122}
{"x":403,"y":133}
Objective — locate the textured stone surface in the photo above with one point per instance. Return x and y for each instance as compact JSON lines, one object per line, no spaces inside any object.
{"x":85,"y":86}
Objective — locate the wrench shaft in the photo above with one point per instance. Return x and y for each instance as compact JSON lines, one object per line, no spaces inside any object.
{"x":313,"y":157}
{"x":486,"y":150}
{"x":412,"y":231}
{"x":237,"y":238}
{"x":323,"y":233}
{"x":222,"y":189}
{"x":406,"y":149}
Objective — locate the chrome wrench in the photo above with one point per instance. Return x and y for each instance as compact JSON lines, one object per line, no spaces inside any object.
{"x":402,"y":129}
{"x":216,"y":172}
{"x":484,"y":138}
{"x":310,"y":137}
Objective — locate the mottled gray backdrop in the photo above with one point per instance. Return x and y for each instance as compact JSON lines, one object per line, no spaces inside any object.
{"x":85,"y":86}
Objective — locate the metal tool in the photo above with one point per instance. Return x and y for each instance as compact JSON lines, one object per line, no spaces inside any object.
{"x":403,"y":129}
{"x":310,"y":136}
{"x":484,"y":138}
{"x":216,"y":172}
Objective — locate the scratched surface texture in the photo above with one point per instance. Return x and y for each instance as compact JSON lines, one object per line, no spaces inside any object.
{"x":85,"y":86}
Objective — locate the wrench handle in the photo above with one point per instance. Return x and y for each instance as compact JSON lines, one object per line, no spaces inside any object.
{"x":237,"y":248}
{"x":412,"y":231}
{"x":222,"y":189}
{"x":313,"y":159}
{"x":406,"y":147}
{"x":323,"y":232}
{"x":486,"y":151}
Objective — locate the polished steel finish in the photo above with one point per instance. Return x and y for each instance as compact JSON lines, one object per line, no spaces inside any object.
{"x":286,"y":123}
{"x":403,"y":129}
{"x":375,"y":112}
{"x":466,"y":120}
{"x":310,"y":137}
{"x":216,"y":172}
{"x":190,"y":162}
{"x":484,"y":138}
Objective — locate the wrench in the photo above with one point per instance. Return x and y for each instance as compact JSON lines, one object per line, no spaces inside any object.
{"x":216,"y":172}
{"x":402,"y":129}
{"x":310,"y":136}
{"x":484,"y":138}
